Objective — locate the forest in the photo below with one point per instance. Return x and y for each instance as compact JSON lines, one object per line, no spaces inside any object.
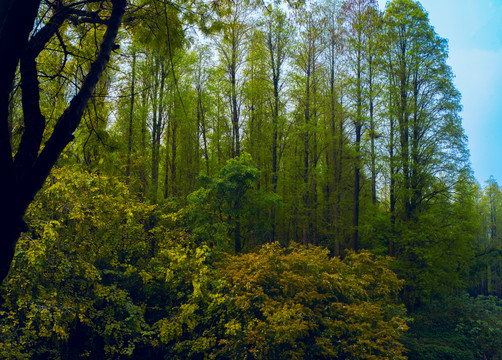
{"x":239,"y":179}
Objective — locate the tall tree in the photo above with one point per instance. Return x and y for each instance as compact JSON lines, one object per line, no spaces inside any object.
{"x":201,"y":77}
{"x":358,"y":28}
{"x":306,"y":63}
{"x":430,"y":143}
{"x":335,"y":120}
{"x":131,"y":118}
{"x":373,"y":53}
{"x":278,"y":34}
{"x":232,"y":48}
{"x":278,"y":43}
{"x":256,"y":93}
{"x":159,"y":74}
{"x":25,"y":173}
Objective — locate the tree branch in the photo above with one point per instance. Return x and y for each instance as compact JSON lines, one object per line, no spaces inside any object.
{"x":69,"y":121}
{"x":34,"y":121}
{"x":17,"y":19}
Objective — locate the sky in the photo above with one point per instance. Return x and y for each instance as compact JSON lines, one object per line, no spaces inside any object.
{"x":474,"y":32}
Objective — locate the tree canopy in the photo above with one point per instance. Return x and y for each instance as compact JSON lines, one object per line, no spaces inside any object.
{"x":249,"y":180}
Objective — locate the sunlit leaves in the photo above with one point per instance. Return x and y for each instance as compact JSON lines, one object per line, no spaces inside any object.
{"x":297,"y":303}
{"x":70,"y":271}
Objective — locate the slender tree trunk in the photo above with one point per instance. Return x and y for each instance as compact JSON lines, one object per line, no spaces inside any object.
{"x":314,"y":214}
{"x":155,"y":104}
{"x":235,"y":109}
{"x":174,"y":126}
{"x":393,"y":107}
{"x":204,"y":138}
{"x":357,"y":189}
{"x":315,"y":159}
{"x":158,"y":133}
{"x":392,"y":190}
{"x":167,"y":158}
{"x":142,"y":169}
{"x":306,"y":158}
{"x":338,"y":181}
{"x":276,"y":64}
{"x":403,"y":120}
{"x":131,"y":116}
{"x":372,"y":130}
{"x":334,"y":157}
{"x":415,"y":181}
{"x":275,"y":46}
{"x":275,"y":137}
{"x":357,"y":162}
{"x":202,"y":124}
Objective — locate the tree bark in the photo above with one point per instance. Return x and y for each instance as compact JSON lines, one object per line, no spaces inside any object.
{"x":357,"y":163}
{"x":25,"y":175}
{"x":131,"y":117}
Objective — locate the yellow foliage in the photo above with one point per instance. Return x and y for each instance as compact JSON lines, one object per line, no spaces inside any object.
{"x":297,"y":303}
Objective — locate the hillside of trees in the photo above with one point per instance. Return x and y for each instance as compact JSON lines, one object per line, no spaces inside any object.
{"x":243,"y":180}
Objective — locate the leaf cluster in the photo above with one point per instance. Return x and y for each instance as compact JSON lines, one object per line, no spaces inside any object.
{"x":297,"y":303}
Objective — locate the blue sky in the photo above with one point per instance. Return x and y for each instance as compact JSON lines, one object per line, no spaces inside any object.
{"x":474,"y":32}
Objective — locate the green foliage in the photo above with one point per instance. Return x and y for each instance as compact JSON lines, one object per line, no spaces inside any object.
{"x":72,"y":270}
{"x":190,"y":292}
{"x":228,"y":208}
{"x":457,"y":328}
{"x":103,"y":275}
{"x":436,"y":250}
{"x":486,"y":269}
{"x":96,"y":274}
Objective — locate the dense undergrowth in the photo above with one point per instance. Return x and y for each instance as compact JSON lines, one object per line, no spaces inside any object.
{"x":103,"y":275}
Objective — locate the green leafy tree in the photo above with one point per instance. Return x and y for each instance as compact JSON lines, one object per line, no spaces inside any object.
{"x":359,"y":34}
{"x":25,"y":31}
{"x":229,"y":208}
{"x":306,"y":75}
{"x":460,"y":327}
{"x":486,"y":267}
{"x":231,"y":48}
{"x":428,"y":154}
{"x":69,"y":291}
